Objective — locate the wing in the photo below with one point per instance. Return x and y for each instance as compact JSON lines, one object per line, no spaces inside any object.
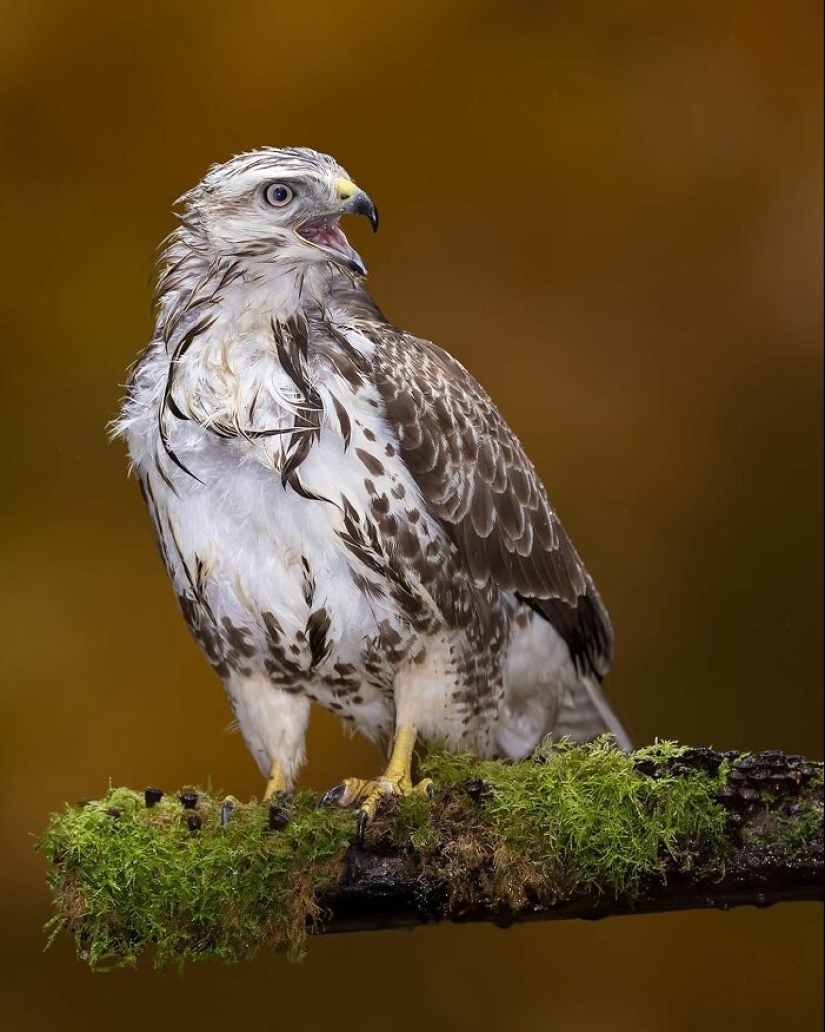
{"x":475,"y":476}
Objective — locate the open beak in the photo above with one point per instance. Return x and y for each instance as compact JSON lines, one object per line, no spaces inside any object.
{"x":323,"y":231}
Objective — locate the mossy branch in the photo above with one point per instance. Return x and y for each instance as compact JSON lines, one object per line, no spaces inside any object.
{"x":583,"y":831}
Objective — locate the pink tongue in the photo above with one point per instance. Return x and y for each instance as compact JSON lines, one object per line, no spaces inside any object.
{"x":327,"y":234}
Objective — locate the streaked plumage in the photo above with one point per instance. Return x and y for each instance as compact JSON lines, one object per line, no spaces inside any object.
{"x":345,"y":516}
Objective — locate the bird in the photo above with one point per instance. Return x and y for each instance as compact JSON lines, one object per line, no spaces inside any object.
{"x":346,"y":518}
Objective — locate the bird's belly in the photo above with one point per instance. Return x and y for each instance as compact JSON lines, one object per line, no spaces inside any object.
{"x":268,"y":585}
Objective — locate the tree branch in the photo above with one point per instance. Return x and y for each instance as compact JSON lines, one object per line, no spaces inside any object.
{"x":576,"y":832}
{"x":774,"y":853}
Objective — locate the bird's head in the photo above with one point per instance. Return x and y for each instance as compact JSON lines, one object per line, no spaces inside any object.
{"x":277,"y":205}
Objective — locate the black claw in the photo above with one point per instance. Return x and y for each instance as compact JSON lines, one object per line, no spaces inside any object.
{"x":227,"y":806}
{"x":476,"y":789}
{"x":152,"y":796}
{"x":278,"y":818}
{"x":193,"y":822}
{"x":334,"y":795}
{"x":430,"y":790}
{"x":361,"y":826}
{"x":113,"y":812}
{"x":189,"y":800}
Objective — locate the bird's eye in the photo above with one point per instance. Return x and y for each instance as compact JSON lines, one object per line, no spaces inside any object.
{"x":278,"y":194}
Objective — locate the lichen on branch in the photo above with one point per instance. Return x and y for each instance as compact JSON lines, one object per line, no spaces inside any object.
{"x":574,"y":829}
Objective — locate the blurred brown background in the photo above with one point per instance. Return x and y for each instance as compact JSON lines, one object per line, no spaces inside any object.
{"x":613,"y":214}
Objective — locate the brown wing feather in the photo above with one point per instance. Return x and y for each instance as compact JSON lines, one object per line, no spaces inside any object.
{"x":476,"y":478}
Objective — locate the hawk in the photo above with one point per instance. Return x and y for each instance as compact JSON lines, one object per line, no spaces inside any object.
{"x":345,"y":516}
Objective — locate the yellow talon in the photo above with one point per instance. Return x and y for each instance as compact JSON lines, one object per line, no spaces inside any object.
{"x":395,"y":781}
{"x":377,"y":790}
{"x":276,"y":783}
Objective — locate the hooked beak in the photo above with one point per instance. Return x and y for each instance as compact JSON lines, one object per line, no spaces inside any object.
{"x":323,"y":231}
{"x":360,"y":203}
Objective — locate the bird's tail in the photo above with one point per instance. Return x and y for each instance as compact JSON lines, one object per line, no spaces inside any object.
{"x":585,"y":714}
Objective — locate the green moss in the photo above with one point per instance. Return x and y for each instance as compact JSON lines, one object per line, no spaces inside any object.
{"x":789,"y":825}
{"x":411,"y":824}
{"x":572,"y":819}
{"x":143,"y":877}
{"x":661,"y":752}
{"x":582,"y":818}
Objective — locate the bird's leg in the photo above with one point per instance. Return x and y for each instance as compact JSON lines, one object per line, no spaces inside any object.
{"x":277,"y":783}
{"x":273,"y":723}
{"x":395,"y":781}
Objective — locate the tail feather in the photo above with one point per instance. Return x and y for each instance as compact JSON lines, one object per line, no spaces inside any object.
{"x":585,"y":714}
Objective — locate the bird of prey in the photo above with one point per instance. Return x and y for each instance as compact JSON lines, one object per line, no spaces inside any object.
{"x":344,"y":515}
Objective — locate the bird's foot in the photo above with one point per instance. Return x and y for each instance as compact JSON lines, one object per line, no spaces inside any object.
{"x":369,"y":794}
{"x":277,"y":797}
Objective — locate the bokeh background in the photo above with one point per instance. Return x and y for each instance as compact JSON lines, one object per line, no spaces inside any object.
{"x":612,"y":213}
